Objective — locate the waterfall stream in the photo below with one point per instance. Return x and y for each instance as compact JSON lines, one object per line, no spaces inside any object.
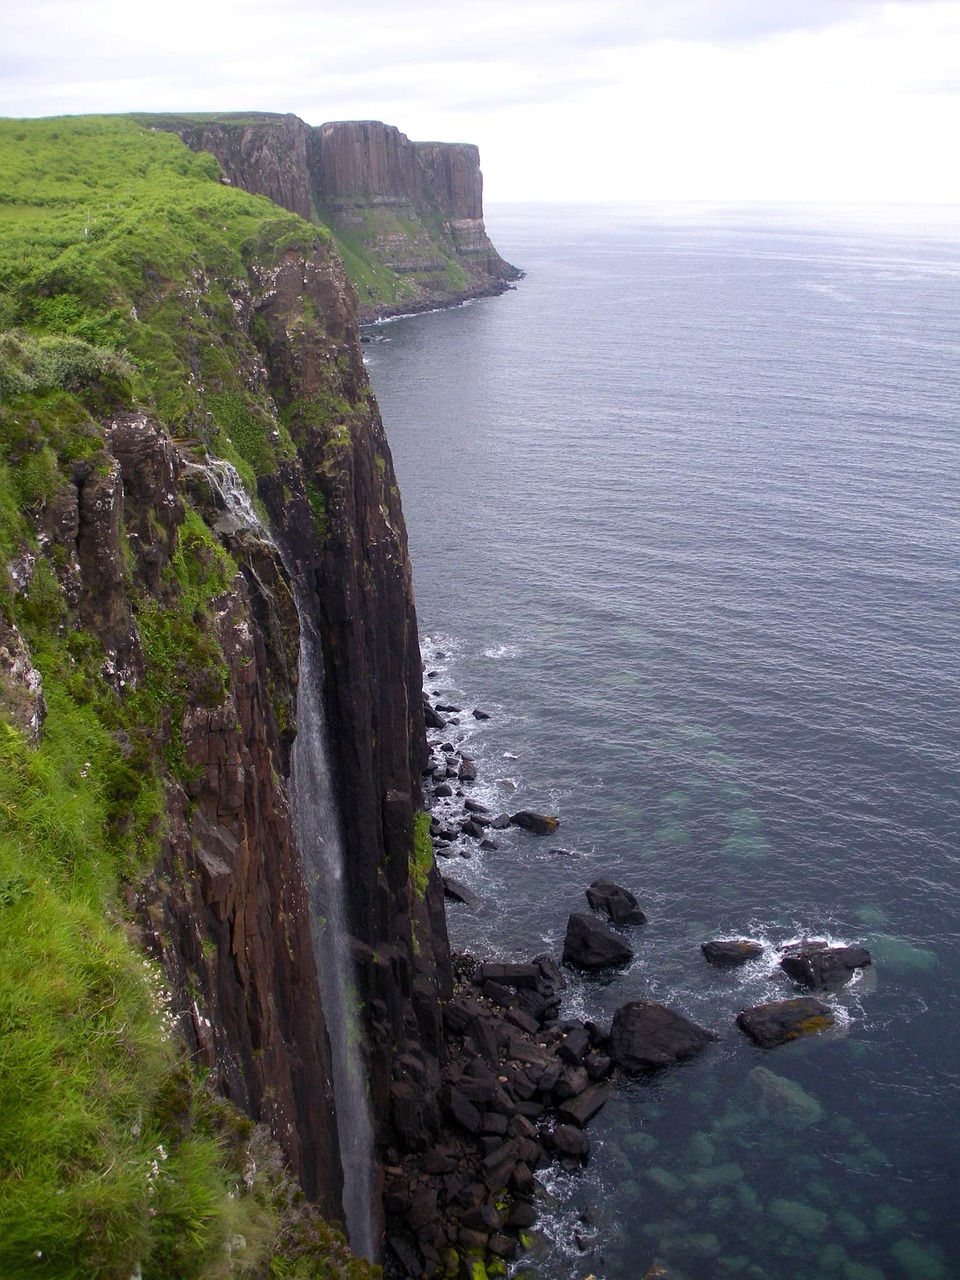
{"x":318,"y":836}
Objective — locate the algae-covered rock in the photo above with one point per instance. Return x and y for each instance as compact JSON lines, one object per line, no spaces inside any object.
{"x":642,"y":1142}
{"x":800,"y":1218}
{"x":898,"y":955}
{"x":850,"y":1227}
{"x":702,"y":1149}
{"x":832,"y":1256}
{"x":731,"y":951}
{"x":886,"y":1218}
{"x":784,"y":1101}
{"x":721,"y":1175}
{"x":780,"y":1021}
{"x":919,"y":1261}
{"x":749,"y":1200}
{"x":861,"y":1271}
{"x":664,"y":1180}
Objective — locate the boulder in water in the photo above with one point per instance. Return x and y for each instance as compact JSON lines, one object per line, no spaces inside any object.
{"x":459,"y":892}
{"x":822,"y":967}
{"x":784,"y":1101}
{"x":731,"y":951}
{"x":769,"y":1025}
{"x":589,"y":944}
{"x":617,"y":903}
{"x":646,"y":1035}
{"x":541,"y":824}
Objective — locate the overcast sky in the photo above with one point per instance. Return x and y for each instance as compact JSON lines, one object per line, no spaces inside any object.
{"x":854,"y":100}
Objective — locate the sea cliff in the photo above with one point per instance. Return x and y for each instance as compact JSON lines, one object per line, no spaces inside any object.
{"x":407,"y":216}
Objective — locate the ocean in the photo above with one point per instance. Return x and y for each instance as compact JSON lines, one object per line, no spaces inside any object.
{"x":684,"y":517}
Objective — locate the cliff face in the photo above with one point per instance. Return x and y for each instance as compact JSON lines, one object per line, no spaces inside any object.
{"x":144,"y":592}
{"x":407,"y":216}
{"x":366,"y":161}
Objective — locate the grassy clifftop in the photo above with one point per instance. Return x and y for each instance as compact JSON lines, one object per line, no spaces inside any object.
{"x":123,"y":264}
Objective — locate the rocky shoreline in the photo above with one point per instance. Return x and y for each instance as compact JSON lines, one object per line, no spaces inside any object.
{"x":369,"y":314}
{"x":520,"y":1084}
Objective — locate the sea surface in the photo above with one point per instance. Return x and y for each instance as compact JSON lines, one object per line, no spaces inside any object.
{"x":684,"y":516}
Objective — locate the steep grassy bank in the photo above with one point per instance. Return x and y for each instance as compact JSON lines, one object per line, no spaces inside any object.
{"x":127,"y":279}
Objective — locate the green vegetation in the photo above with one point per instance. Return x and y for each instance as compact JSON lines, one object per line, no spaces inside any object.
{"x":124,"y":263}
{"x":367,"y":240}
{"x":422,"y":851}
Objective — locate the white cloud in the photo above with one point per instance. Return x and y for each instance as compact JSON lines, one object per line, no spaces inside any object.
{"x":785,"y":99}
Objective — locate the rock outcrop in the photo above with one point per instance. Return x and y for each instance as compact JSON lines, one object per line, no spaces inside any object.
{"x":646,"y":1035}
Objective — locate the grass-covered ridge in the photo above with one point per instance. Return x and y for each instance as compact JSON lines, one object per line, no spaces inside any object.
{"x":124,"y":265}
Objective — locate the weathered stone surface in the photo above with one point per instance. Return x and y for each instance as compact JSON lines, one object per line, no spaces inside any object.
{"x":574,"y":1046}
{"x":822,"y":967}
{"x":570,"y":1143}
{"x":731,"y":951}
{"x":784,"y":1101}
{"x":585,"y":1105}
{"x":459,"y":892}
{"x":510,"y":975}
{"x":463,"y":1110}
{"x":646,"y":1035}
{"x":617,"y":903}
{"x":540,"y":824}
{"x":21,"y":685}
{"x":589,"y":944}
{"x":772,"y":1024}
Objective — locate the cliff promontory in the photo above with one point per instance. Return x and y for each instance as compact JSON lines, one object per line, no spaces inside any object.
{"x":407,"y":216}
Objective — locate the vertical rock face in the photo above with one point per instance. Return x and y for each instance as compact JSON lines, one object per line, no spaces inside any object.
{"x":358,"y":577}
{"x":359,"y":160}
{"x":225,"y":908}
{"x":452,"y":173}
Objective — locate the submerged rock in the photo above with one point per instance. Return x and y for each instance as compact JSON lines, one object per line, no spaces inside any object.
{"x":646,"y":1035}
{"x":784,"y":1101}
{"x":822,"y":967}
{"x":731,"y":951}
{"x":589,"y":944}
{"x":772,"y":1024}
{"x":617,"y":903}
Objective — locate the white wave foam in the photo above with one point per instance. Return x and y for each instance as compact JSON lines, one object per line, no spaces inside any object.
{"x":497,"y":652}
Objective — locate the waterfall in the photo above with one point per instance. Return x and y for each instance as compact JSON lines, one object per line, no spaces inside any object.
{"x":321,"y":849}
{"x":317,"y":832}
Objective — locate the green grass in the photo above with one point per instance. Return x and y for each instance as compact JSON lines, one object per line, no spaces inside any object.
{"x":422,"y":851}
